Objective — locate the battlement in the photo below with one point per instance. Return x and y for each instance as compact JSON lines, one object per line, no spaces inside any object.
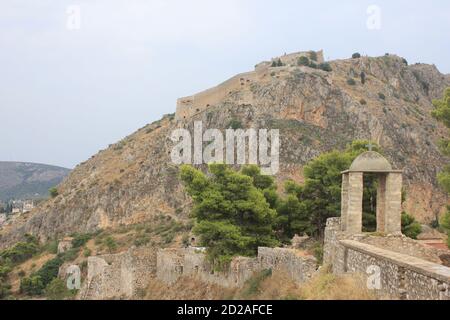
{"x":192,"y":105}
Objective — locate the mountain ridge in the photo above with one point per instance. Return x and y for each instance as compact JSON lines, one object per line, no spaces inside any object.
{"x":316,"y":111}
{"x":28,"y":180}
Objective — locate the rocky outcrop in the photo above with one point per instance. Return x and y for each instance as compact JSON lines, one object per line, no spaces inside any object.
{"x":315,"y":111}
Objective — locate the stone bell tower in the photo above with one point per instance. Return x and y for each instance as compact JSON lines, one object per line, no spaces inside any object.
{"x":389,"y":194}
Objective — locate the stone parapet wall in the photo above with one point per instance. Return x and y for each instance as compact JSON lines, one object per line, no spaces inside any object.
{"x":299,"y":267}
{"x":402,"y":276}
{"x":175,"y":263}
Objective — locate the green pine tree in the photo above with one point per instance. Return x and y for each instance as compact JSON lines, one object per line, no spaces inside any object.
{"x":231,"y":211}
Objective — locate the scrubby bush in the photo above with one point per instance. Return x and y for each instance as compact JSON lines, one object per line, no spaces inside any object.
{"x":87,"y":252}
{"x":252,"y":285}
{"x":49,"y":270}
{"x":70,"y":254}
{"x":363,"y":102}
{"x":356,"y":55}
{"x":363,"y":77}
{"x":32,"y":286}
{"x":110,"y":243}
{"x":410,"y":227}
{"x":303,"y":61}
{"x":235,"y":124}
{"x":53,"y":192}
{"x":4,"y":290}
{"x":51,"y":247}
{"x":277,"y":63}
{"x":313,"y":65}
{"x":381,"y":96}
{"x":57,"y":290}
{"x":351,"y":82}
{"x":21,"y":251}
{"x":80,"y":240}
{"x":36,"y":282}
{"x":313,"y":55}
{"x":325,"y":67}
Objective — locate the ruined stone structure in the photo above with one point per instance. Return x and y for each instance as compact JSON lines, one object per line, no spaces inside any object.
{"x":400,"y":267}
{"x":192,"y":105}
{"x":65,"y":244}
{"x":116,"y":276}
{"x":389,"y":194}
{"x":175,"y":263}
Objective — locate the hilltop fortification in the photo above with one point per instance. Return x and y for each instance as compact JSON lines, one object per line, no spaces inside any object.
{"x":242,"y":82}
{"x":133,"y":181}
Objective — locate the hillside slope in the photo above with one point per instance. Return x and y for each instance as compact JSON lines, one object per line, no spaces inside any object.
{"x":316,"y":111}
{"x":22,"y":180}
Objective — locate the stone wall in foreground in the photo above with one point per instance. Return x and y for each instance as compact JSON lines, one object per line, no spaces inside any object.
{"x":391,"y":274}
{"x":174,"y":263}
{"x":119,"y":276}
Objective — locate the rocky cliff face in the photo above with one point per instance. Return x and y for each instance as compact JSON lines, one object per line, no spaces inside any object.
{"x":315,"y":111}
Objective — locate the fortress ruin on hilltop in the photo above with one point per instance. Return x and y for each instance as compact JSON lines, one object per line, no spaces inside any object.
{"x":192,"y":105}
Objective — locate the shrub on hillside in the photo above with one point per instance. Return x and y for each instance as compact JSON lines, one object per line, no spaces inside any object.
{"x":110,"y":243}
{"x":235,"y":124}
{"x":325,"y":67}
{"x":80,"y":240}
{"x":410,"y":227}
{"x":21,"y":251}
{"x":351,"y":82}
{"x":32,"y":286}
{"x":303,"y":61}
{"x":53,"y":192}
{"x":356,"y":55}
{"x":57,"y":290}
{"x":363,"y":77}
{"x":49,"y":270}
{"x":313,"y":55}
{"x":381,"y":96}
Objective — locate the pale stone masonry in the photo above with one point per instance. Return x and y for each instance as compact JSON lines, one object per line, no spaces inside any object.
{"x":191,"y":262}
{"x":389,"y":194}
{"x":119,"y":276}
{"x":402,"y":276}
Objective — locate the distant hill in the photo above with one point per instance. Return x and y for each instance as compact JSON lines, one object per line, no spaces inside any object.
{"x":21,"y":180}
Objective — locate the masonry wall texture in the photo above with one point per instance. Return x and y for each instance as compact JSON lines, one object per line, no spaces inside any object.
{"x":402,"y":276}
{"x":175,"y":263}
{"x":118,"y":276}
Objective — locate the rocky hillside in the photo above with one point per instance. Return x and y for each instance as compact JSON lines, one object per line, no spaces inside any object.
{"x":21,"y":180}
{"x":316,"y":111}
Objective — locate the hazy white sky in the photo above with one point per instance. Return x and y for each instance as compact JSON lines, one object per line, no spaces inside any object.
{"x":66,"y":93}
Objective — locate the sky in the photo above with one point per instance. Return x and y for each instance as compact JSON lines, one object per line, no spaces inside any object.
{"x":76,"y":76}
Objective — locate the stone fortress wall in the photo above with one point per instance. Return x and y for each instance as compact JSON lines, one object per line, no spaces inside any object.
{"x":192,"y":105}
{"x":118,"y":276}
{"x":401,"y":276}
{"x":191,"y":262}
